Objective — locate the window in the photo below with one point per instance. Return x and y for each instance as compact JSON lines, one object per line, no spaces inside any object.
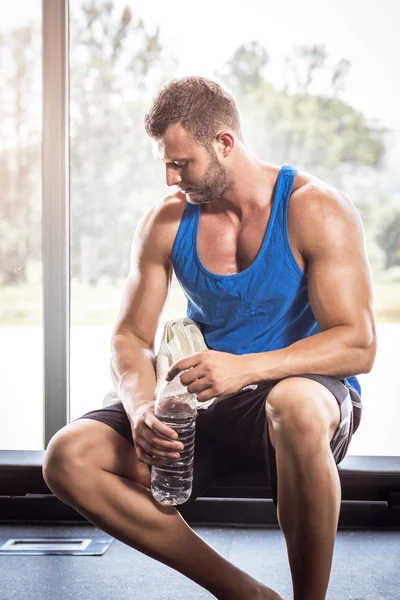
{"x":21,"y":326}
{"x":304,"y":96}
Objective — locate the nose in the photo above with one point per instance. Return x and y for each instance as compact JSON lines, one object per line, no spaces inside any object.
{"x":173,"y":177}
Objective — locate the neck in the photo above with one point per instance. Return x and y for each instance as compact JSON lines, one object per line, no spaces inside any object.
{"x":251,"y":188}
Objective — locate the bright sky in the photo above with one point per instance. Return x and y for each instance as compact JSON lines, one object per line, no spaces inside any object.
{"x":205,"y":36}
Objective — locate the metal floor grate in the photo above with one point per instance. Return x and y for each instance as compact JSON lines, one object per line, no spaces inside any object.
{"x":67,"y":546}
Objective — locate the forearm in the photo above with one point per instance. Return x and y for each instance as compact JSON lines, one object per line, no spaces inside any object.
{"x":132,"y":372}
{"x":333,"y":352}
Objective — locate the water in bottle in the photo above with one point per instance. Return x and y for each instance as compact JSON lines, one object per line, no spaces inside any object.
{"x":171,"y":482}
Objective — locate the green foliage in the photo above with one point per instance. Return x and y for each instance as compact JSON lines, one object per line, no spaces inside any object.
{"x":114,"y":60}
{"x":245,"y":69}
{"x":20,"y":153}
{"x":317,"y":132}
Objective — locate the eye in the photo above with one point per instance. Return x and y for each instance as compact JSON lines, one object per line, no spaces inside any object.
{"x":179,"y":164}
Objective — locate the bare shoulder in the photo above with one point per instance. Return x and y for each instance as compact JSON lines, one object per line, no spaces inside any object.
{"x":318,"y":213}
{"x":160,"y":223}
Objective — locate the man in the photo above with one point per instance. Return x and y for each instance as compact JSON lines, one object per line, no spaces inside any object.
{"x":273,"y":264}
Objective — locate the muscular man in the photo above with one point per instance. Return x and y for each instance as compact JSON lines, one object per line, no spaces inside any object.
{"x":273,"y":264}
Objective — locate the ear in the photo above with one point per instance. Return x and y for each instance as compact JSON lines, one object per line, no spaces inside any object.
{"x":225,"y":142}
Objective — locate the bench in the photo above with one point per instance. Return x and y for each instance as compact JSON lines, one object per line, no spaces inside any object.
{"x":239,"y":498}
{"x":372,"y":478}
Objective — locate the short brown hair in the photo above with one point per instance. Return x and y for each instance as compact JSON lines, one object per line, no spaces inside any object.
{"x":200,"y":105}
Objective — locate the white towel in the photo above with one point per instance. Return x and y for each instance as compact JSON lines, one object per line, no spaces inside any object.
{"x":182,"y":337}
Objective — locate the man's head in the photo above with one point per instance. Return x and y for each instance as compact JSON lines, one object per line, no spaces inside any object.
{"x":195,"y":124}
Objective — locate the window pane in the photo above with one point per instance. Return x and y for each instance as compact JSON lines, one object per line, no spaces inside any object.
{"x":304,"y":94}
{"x":21,"y":326}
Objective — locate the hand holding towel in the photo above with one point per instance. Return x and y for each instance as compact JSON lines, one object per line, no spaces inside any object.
{"x":182,"y":337}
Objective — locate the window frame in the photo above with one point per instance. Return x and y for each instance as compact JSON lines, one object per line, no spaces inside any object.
{"x":55,"y":215}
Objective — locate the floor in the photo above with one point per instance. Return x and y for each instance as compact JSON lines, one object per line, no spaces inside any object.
{"x":366,"y":566}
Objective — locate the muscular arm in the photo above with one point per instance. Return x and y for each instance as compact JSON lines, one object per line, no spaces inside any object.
{"x":143,"y":299}
{"x":340,"y":293}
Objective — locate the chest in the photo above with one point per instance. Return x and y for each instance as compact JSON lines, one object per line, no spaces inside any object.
{"x":226,"y":249}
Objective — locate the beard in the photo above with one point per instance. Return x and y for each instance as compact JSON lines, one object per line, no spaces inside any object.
{"x":215,"y":182}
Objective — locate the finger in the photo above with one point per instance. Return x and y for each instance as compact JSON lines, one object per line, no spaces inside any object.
{"x":161,"y":443}
{"x":182,"y":365}
{"x":199,"y":386}
{"x":150,"y":460}
{"x":206,"y":395}
{"x":145,"y":457}
{"x":192,"y":375}
{"x":155,"y":451}
{"x":151,"y":421}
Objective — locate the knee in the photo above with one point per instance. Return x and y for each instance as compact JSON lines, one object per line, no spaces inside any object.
{"x":61,"y":456}
{"x":295,"y":407}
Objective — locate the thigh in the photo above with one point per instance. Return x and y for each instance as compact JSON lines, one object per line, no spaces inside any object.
{"x":113,"y":415}
{"x":90,"y":442}
{"x":212,"y":457}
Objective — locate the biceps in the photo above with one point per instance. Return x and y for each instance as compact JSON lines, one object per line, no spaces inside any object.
{"x":340,"y":290}
{"x":143,"y":300}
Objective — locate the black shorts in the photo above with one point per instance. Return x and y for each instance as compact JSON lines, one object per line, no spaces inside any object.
{"x":232,"y":434}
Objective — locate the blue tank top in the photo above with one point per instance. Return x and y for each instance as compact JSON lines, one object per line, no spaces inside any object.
{"x":263,"y":308}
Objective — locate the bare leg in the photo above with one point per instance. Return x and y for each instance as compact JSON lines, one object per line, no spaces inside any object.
{"x":308,"y":510}
{"x":126,"y":510}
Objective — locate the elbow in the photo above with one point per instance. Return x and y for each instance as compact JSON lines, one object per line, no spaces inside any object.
{"x":364,"y":341}
{"x":369,"y":355}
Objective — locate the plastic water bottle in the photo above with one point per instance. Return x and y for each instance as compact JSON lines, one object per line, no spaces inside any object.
{"x":171,"y":482}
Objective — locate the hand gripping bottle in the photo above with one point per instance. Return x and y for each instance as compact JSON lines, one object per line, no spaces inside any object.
{"x":171,"y":482}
